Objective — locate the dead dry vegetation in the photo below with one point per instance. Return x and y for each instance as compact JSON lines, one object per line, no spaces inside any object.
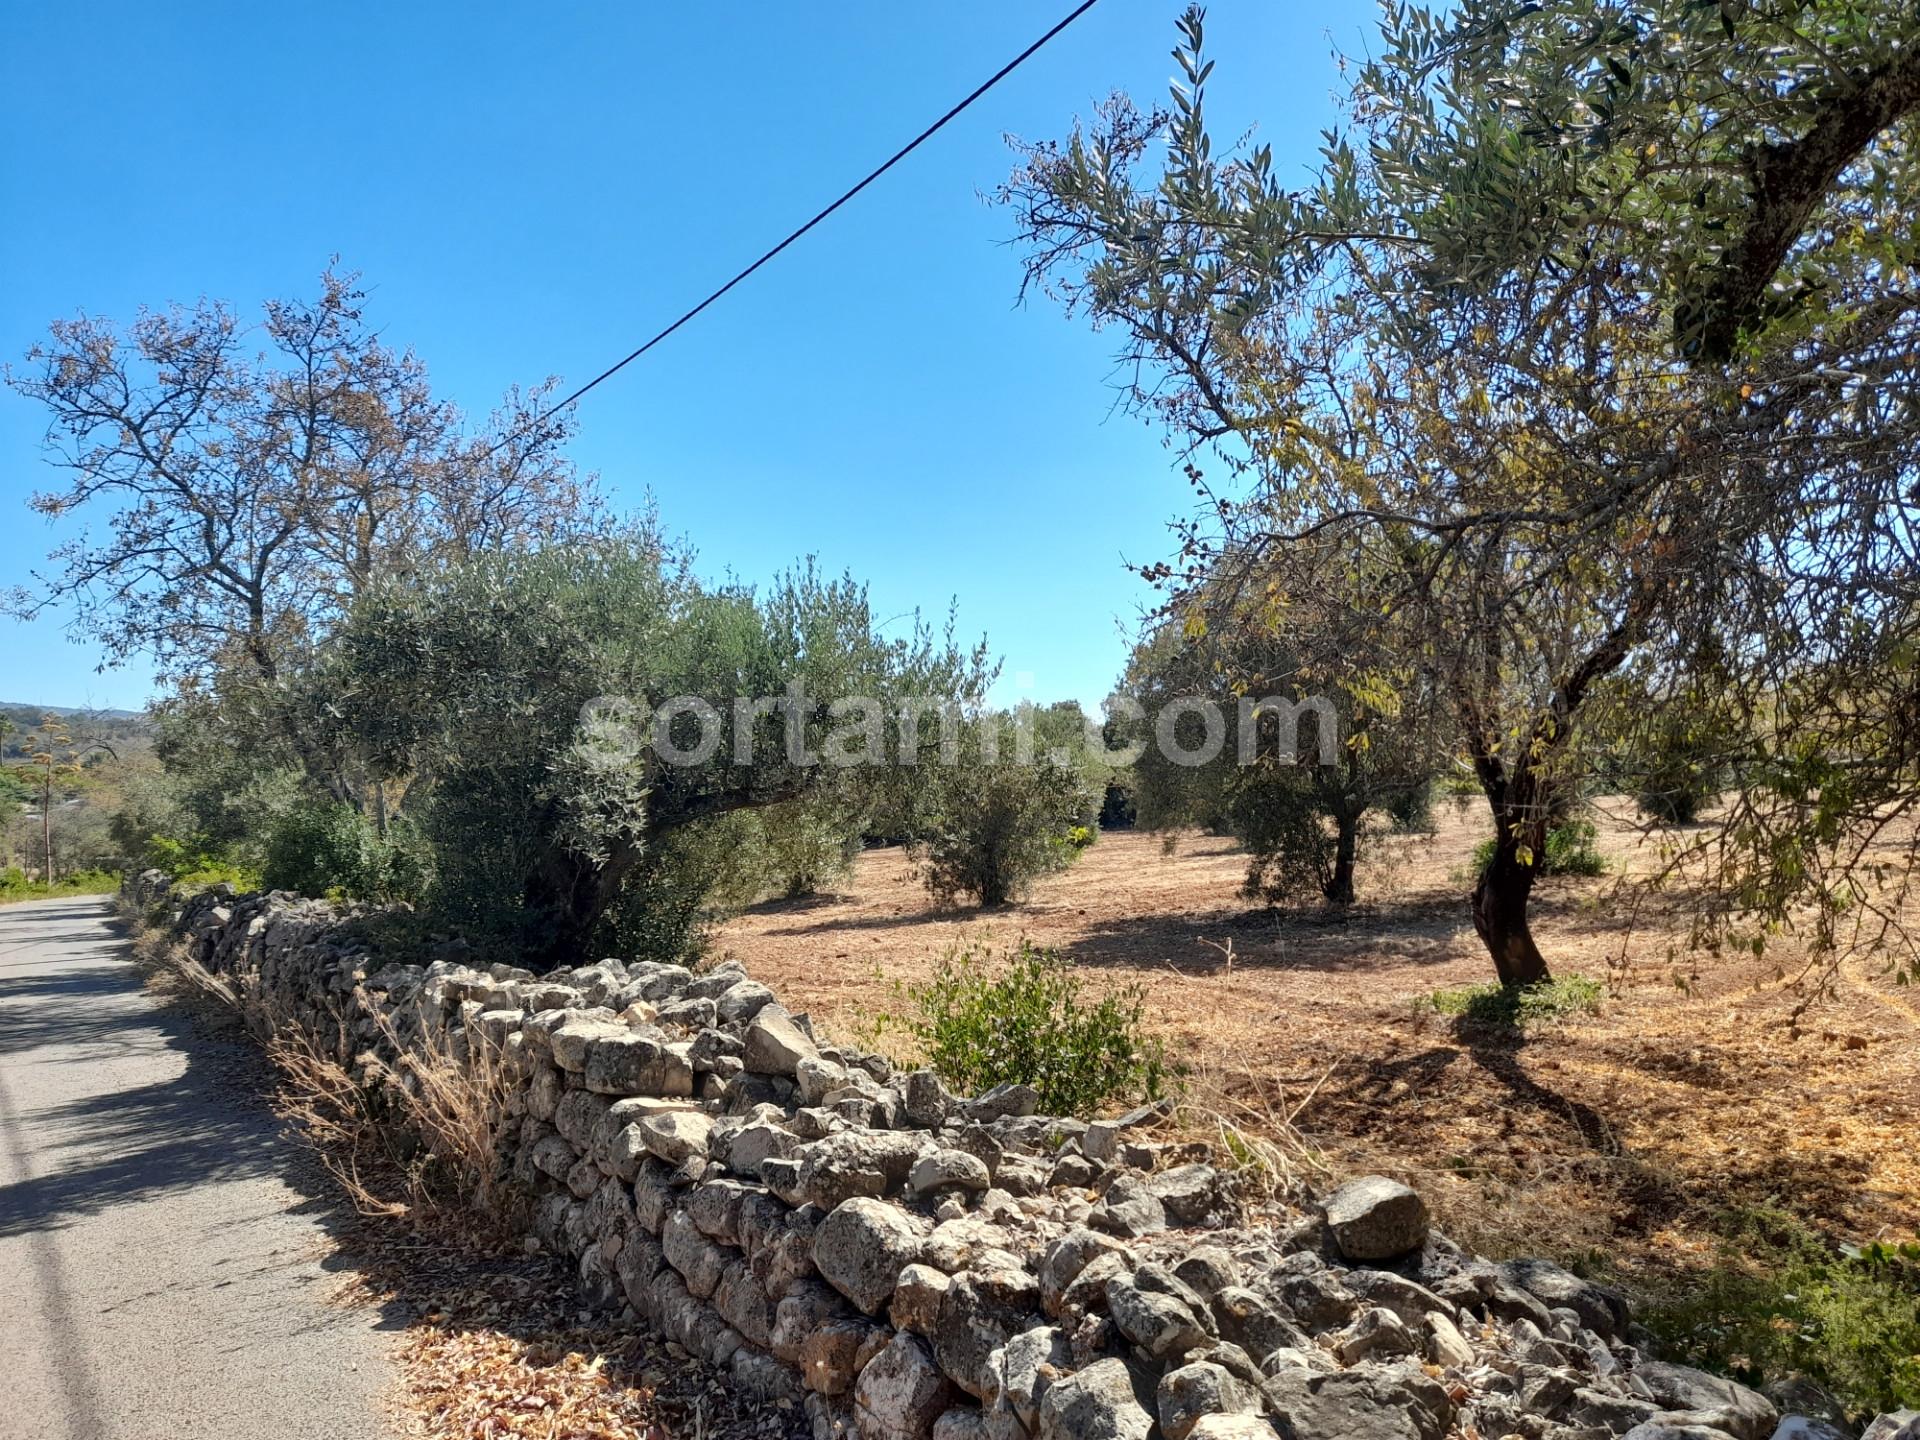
{"x":1613,"y":1139}
{"x":493,"y":1341}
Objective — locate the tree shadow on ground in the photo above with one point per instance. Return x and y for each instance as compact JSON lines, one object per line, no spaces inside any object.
{"x":105,"y":1145}
{"x":1419,"y":930}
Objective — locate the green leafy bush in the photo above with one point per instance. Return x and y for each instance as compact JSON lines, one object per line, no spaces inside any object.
{"x":15,"y":885}
{"x":1678,"y":788}
{"x":1570,"y":851}
{"x":1027,"y":1023}
{"x":1516,"y":1006}
{"x":1781,"y":1301}
{"x":810,"y":844}
{"x":327,"y":848}
{"x":988,"y":826}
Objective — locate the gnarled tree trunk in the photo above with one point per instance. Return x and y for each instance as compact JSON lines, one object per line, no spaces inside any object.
{"x":1500,"y":910}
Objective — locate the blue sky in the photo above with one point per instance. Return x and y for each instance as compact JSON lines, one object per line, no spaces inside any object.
{"x":530,"y":191}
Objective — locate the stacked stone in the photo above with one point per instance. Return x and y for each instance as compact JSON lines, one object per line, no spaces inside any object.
{"x":901,"y":1263}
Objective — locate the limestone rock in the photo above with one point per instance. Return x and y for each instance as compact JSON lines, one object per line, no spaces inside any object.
{"x":1444,"y":1344}
{"x":1065,"y":1258}
{"x":833,"y":1354}
{"x":1378,"y":1334}
{"x":861,"y":1248}
{"x":1130,"y":1210}
{"x":1601,"y":1310}
{"x":634,"y":1063}
{"x":699,"y":1261}
{"x":1374,"y":1218}
{"x":1745,"y":1414}
{"x":948,"y":1170}
{"x":1369,"y":1403}
{"x":807,"y":1306}
{"x":743,"y":1000}
{"x":916,"y":1299}
{"x":901,"y":1392}
{"x":1187,"y":1193}
{"x":571,"y":1038}
{"x":855,"y":1162}
{"x":1208,"y":1270}
{"x":980,"y":1311}
{"x":1193,"y":1391}
{"x":774,"y":1044}
{"x":1231,"y":1427}
{"x":677,"y":1137}
{"x":1161,"y":1325}
{"x":1250,"y":1321}
{"x":1022,"y":1370}
{"x":1097,"y":1403}
{"x":924,"y":1100}
{"x":751,"y":1145}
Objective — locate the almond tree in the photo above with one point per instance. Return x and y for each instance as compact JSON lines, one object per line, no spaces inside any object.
{"x":246,"y":484}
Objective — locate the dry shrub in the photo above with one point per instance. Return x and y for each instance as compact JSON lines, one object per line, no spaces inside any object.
{"x":1254,"y":1136}
{"x":407,"y":1126}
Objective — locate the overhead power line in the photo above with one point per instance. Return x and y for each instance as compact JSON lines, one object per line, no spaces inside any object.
{"x":892,"y":160}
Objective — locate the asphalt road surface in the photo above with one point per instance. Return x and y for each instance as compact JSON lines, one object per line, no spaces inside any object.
{"x":163,"y":1272}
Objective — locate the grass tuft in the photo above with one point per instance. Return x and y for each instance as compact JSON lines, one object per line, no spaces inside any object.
{"x":1514,"y":1007}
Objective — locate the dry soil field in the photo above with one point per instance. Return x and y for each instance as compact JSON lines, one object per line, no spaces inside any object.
{"x":1616,"y":1135}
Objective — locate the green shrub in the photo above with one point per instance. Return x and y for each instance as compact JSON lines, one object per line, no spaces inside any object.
{"x":243,"y":878}
{"x":326,"y":848}
{"x":810,"y":844}
{"x":1517,"y":1006}
{"x":1676,"y":794}
{"x":1570,"y":851}
{"x":1781,"y":1301}
{"x":1027,"y":1023}
{"x":1680,"y":767}
{"x":1411,"y":807}
{"x":987,"y":826}
{"x":15,"y":884}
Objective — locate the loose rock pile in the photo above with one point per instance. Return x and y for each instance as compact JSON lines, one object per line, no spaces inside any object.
{"x":902,"y":1263}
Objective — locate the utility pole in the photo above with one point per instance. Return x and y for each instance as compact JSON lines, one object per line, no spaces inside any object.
{"x":46,"y":816}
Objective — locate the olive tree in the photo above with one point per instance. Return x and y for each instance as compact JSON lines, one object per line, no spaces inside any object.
{"x":1012,"y":796}
{"x":565,"y":726}
{"x":1301,"y":801}
{"x":1602,"y":388}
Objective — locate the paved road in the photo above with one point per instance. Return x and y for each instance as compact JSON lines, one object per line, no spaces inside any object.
{"x":160,"y":1274}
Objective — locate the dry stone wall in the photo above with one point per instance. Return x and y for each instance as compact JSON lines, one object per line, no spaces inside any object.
{"x":901,"y":1263}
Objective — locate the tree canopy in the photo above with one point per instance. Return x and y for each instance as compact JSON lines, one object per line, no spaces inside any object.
{"x":1504,"y":358}
{"x":251,"y":483}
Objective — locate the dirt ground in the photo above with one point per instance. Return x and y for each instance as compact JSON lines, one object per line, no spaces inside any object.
{"x":1613,"y":1138}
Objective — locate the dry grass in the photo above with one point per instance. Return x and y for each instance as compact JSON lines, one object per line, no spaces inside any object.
{"x":494,"y":1342}
{"x":1700,"y":1083}
{"x":408,"y":1125}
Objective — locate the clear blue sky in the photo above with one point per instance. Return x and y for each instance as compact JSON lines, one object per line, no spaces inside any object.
{"x":532,"y":190}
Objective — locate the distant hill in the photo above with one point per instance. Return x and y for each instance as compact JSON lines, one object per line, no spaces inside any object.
{"x":118,"y":728}
{"x":14,"y":710}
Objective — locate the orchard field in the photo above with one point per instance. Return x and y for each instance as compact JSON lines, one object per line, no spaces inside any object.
{"x":1622,"y":1136}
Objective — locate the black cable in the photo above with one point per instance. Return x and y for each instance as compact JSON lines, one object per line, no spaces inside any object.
{"x":892,"y":160}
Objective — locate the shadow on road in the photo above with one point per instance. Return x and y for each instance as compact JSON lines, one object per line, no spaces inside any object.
{"x":107,"y":1144}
